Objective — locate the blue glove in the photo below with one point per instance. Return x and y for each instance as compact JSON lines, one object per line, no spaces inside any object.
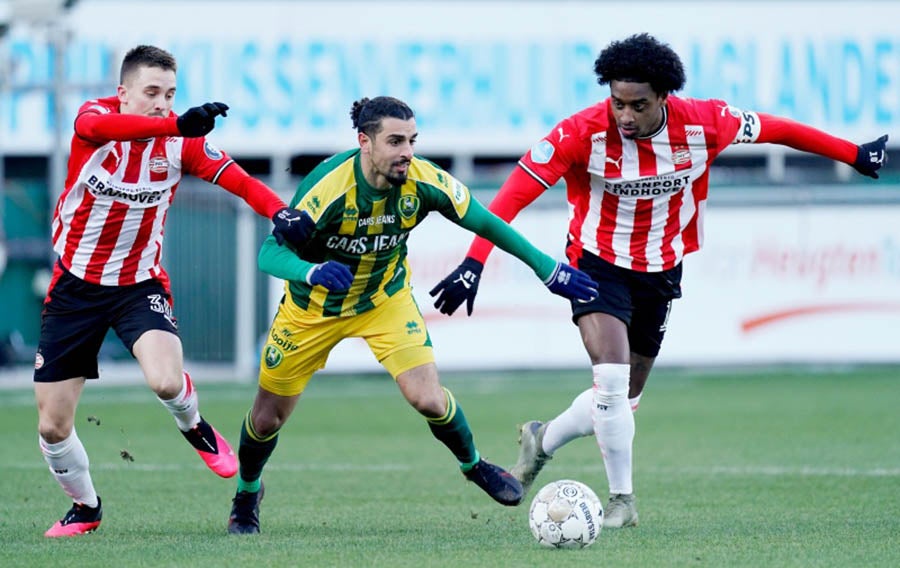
{"x":459,"y":286}
{"x":871,"y":156}
{"x":572,"y":283}
{"x":293,"y":226}
{"x":199,"y":121}
{"x":332,"y":275}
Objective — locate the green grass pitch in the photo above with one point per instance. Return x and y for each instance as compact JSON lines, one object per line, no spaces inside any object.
{"x":763,"y":468}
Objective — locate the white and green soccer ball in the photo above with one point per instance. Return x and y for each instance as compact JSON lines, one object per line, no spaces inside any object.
{"x":566,"y":514}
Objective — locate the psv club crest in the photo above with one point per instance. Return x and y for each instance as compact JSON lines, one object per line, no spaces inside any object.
{"x":159,"y":164}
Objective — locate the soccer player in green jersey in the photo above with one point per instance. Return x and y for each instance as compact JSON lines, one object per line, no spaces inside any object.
{"x":351,"y":279}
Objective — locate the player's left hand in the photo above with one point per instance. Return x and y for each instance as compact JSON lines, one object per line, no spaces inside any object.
{"x":871,"y":156}
{"x":293,"y":226}
{"x":572,"y":283}
{"x":199,"y":121}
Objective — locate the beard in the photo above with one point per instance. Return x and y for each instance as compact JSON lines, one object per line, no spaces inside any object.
{"x":397,"y":179}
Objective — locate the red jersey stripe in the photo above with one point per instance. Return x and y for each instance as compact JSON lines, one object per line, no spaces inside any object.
{"x":646,"y":157}
{"x":130,"y":266}
{"x":135,"y":160}
{"x":107,"y":241}
{"x":643,"y":217}
{"x":76,"y":228}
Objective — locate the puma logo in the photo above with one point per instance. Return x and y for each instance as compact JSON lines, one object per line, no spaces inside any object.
{"x":616,"y":163}
{"x":561,"y":134}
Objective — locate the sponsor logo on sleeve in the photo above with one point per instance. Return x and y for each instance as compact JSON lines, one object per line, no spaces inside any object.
{"x":748,"y":131}
{"x":542,"y":152}
{"x":211,"y":151}
{"x":459,"y":192}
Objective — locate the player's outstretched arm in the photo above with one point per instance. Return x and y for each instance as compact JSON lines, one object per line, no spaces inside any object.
{"x":866,"y":158}
{"x":106,"y":127}
{"x":560,"y":278}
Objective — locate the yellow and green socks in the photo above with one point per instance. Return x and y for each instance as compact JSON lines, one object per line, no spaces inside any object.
{"x":452,"y":429}
{"x":253,"y":454}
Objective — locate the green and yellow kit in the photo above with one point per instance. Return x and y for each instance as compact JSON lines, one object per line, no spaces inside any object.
{"x":366,"y":229}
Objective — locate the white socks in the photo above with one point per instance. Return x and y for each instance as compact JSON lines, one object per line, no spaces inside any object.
{"x":614,"y":423}
{"x":69,"y":464}
{"x":185,"y":407}
{"x":574,"y":422}
{"x":635,"y":402}
{"x":613,"y":427}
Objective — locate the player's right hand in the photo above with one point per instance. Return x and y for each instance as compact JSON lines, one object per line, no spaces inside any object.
{"x":571,"y":283}
{"x":459,"y":286}
{"x":871,"y":156}
{"x":199,"y":121}
{"x":332,"y":275}
{"x":292,"y":226}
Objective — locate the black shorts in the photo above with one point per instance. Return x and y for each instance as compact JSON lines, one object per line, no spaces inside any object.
{"x":77,"y":316}
{"x":642,"y":300}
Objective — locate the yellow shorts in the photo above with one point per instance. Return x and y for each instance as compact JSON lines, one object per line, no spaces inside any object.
{"x":299,"y":343}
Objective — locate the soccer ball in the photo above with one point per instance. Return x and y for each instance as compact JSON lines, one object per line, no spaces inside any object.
{"x":566,"y":514}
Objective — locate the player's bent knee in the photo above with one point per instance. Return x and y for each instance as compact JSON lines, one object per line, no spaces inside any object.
{"x":429,"y":405}
{"x":610,"y":383}
{"x":54,"y":432}
{"x":164,"y":388}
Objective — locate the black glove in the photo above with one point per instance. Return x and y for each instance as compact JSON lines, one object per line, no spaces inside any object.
{"x":460,"y":285}
{"x":332,"y":275}
{"x":293,"y":226}
{"x":871,"y":156}
{"x":572,"y":283}
{"x":199,"y":121}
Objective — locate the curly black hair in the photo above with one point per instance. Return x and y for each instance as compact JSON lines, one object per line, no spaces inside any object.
{"x":367,"y":113}
{"x":641,"y":58}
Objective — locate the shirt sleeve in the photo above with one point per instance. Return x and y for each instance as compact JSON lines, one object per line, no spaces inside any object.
{"x":555,"y":154}
{"x":200,"y":158}
{"x":104,"y":127}
{"x":778,"y":130}
{"x":750,"y":127}
{"x":487,"y":225}
{"x":281,"y":262}
{"x":518,"y":191}
{"x":255,"y":193}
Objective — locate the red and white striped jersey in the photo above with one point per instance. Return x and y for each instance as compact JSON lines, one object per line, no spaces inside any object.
{"x":638,"y":203}
{"x":108,"y":222}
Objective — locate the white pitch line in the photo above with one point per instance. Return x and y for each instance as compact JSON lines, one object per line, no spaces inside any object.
{"x":758,"y":470}
{"x":738,"y":471}
{"x":138,"y":466}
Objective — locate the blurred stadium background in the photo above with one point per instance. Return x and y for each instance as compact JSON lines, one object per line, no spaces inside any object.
{"x":802,"y":261}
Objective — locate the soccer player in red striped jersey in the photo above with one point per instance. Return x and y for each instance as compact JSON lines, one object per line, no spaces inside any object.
{"x":128,"y":154}
{"x":636,"y":167}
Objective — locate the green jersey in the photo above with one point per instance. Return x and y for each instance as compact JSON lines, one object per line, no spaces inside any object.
{"x":366,"y":229}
